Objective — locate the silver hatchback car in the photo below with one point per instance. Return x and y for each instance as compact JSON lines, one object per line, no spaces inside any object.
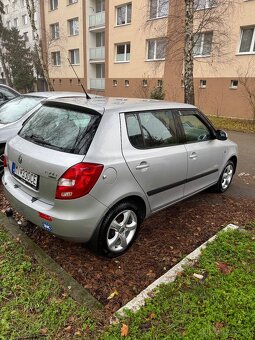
{"x":91,"y":170}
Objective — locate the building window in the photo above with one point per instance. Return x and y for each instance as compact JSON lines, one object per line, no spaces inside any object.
{"x":204,"y":4}
{"x":156,"y":49}
{"x":70,"y":2}
{"x":24,"y":19}
{"x":145,"y":82}
{"x":15,"y":22}
{"x":100,"y":71}
{"x":202,"y":84}
{"x":247,"y":44}
{"x":100,"y":39}
{"x":73,"y":26}
{"x":158,"y":9}
{"x":23,"y":3}
{"x":127,"y":83}
{"x":8,"y":24}
{"x":56,"y":59}
{"x":203,"y":44}
{"x":54,"y":31}
{"x":234,"y":84}
{"x":123,"y":52}
{"x":115,"y":82}
{"x":25,"y":36}
{"x":35,"y":16}
{"x":74,"y":56}
{"x":124,"y":14}
{"x":53,"y":4}
{"x":6,"y":9}
{"x":100,"y":6}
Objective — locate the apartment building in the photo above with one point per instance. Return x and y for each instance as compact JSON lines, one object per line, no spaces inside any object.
{"x":121,"y":48}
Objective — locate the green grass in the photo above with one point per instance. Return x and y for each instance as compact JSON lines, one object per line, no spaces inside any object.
{"x":221,"y":306}
{"x":32,"y":303}
{"x":233,"y":124}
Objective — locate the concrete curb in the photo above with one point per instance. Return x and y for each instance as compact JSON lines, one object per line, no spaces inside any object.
{"x":75,"y":290}
{"x":139,"y":301}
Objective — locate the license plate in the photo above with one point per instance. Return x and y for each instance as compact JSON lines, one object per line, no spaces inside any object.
{"x":25,"y":176}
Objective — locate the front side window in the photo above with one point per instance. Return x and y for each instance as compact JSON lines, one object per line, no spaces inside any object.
{"x":73,"y":26}
{"x":54,"y":31}
{"x":123,"y":52}
{"x":17,"y":108}
{"x":247,"y":44}
{"x":74,"y":56}
{"x":61,"y":128}
{"x":194,"y":129}
{"x":156,"y":49}
{"x":158,"y":8}
{"x":151,"y":129}
{"x":56,"y":58}
{"x":124,"y":14}
{"x":203,"y":44}
{"x":53,"y":5}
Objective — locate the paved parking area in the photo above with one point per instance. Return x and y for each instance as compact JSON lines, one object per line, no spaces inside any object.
{"x":244,"y":181}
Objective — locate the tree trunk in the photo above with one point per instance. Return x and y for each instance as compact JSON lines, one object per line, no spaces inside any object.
{"x":5,"y":68}
{"x":38,"y":47}
{"x":189,"y":96}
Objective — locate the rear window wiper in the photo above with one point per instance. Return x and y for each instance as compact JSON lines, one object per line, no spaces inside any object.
{"x":40,"y":141}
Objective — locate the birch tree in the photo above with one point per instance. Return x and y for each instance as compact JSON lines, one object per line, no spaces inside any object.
{"x":2,"y":57}
{"x":38,"y":50}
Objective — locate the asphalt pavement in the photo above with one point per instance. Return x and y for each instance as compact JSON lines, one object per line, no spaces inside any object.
{"x":243,"y":184}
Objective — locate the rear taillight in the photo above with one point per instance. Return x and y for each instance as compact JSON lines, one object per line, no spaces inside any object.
{"x":78,"y":180}
{"x":5,"y":161}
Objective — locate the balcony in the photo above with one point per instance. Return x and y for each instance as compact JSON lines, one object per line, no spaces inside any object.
{"x":97,"y":21}
{"x":97,"y":84}
{"x":97,"y":54}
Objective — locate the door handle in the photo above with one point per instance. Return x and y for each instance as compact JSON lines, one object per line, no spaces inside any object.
{"x":142,"y":166}
{"x":193,"y":155}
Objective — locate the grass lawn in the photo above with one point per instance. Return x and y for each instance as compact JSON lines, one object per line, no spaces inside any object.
{"x":232,"y":124}
{"x":32,"y":303}
{"x":218,"y":305}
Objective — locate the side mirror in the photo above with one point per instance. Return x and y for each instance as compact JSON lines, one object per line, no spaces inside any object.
{"x":221,"y":135}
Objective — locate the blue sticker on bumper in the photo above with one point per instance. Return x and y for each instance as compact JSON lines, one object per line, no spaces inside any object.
{"x":47,"y":226}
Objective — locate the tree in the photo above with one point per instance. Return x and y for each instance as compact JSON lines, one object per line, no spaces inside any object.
{"x":38,"y":50}
{"x":15,"y":50}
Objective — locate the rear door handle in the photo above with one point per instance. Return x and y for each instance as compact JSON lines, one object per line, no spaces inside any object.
{"x":142,"y":166}
{"x":193,"y":155}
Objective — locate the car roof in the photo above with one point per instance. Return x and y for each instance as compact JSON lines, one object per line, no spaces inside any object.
{"x":110,"y":104}
{"x":55,"y":94}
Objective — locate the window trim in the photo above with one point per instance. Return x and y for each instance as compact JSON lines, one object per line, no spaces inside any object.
{"x":72,"y":20}
{"x":125,"y":53}
{"x":55,"y":52}
{"x":202,"y":46}
{"x":56,"y":36}
{"x":157,"y":16}
{"x":154,"y":50}
{"x":207,"y":6}
{"x":242,"y":28}
{"x":69,"y":54}
{"x":52,"y":8}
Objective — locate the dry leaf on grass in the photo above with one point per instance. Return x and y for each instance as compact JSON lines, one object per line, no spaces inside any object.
{"x":124,"y":330}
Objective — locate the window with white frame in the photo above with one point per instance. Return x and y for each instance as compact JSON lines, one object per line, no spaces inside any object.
{"x":70,"y":2}
{"x":53,"y":4}
{"x":203,"y":44}
{"x":156,"y":49}
{"x":202,"y":83}
{"x":15,"y":22}
{"x":56,"y":58}
{"x":124,"y":14}
{"x":54,"y":31}
{"x":100,"y":71}
{"x":100,"y":6}
{"x":74,"y":56}
{"x":122,"y":52}
{"x":247,"y":43}
{"x":204,"y":4}
{"x":158,"y":8}
{"x":234,"y":84}
{"x":73,"y":26}
{"x":25,"y":36}
{"x":24,"y":19}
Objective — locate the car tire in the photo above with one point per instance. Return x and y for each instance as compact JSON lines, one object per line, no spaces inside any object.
{"x":225,"y":178}
{"x":1,"y":165}
{"x":119,"y":229}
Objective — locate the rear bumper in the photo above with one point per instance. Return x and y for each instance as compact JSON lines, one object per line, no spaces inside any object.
{"x":74,"y":220}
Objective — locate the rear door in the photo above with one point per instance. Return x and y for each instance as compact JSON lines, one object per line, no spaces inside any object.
{"x":158,"y":162}
{"x":205,"y":153}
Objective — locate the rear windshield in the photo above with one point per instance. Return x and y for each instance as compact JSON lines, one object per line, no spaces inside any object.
{"x":64,"y":129}
{"x":16,"y":108}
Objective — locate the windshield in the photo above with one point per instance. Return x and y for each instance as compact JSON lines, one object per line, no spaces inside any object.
{"x":17,"y":108}
{"x":61,"y":128}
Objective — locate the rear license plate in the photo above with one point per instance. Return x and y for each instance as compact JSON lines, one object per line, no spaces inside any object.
{"x":25,"y":176}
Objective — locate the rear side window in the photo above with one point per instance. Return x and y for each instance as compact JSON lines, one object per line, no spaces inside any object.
{"x":151,"y":129}
{"x":64,"y":129}
{"x":194,"y":129}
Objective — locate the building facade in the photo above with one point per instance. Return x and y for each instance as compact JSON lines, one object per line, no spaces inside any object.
{"x":134,"y":48}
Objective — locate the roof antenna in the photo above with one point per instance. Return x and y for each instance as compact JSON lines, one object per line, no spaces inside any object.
{"x":87,"y":96}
